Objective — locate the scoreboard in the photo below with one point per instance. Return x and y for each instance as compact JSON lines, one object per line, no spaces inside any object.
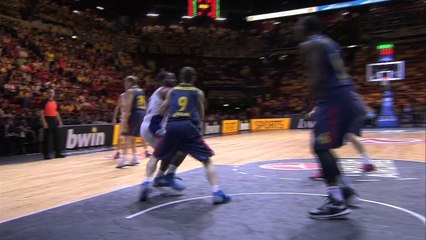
{"x":210,"y":8}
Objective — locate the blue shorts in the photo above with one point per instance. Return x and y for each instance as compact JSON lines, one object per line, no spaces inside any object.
{"x":134,"y":123}
{"x":336,"y":116}
{"x":182,"y":136}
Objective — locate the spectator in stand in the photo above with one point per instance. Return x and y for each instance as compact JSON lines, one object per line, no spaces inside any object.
{"x":51,"y":121}
{"x":9,"y":137}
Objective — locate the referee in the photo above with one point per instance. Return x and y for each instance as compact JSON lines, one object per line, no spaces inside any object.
{"x":51,"y":121}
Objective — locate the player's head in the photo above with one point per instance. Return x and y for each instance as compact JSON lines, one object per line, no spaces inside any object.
{"x":167,"y":79}
{"x":130,"y":81}
{"x":187,"y":75}
{"x":308,"y":26}
{"x":51,"y":93}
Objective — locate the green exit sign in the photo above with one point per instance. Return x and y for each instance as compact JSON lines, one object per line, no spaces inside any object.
{"x":385,"y":46}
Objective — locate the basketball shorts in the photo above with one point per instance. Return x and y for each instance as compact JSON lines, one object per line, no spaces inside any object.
{"x":134,"y":123}
{"x":185,"y":137}
{"x":337,"y":116}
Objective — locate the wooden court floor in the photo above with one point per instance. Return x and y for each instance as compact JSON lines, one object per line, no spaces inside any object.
{"x":29,"y":187}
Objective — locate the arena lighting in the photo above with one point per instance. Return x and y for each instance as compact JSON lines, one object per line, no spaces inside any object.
{"x":76,"y":11}
{"x":281,"y":14}
{"x":385,"y":46}
{"x":345,"y":13}
{"x":74,"y":37}
{"x":100,"y":8}
{"x":314,"y":9}
{"x":152,"y":14}
{"x":186,"y":17}
{"x":226,"y":105}
{"x":352,"y":46}
{"x":276,"y":23}
{"x":220,"y":19}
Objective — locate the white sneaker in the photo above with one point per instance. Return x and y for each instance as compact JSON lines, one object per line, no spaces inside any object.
{"x":121,"y":164}
{"x":134,"y":162}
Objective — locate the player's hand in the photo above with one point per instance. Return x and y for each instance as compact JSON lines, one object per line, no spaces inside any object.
{"x":160,"y":132}
{"x":60,"y":124}
{"x":310,"y":114}
{"x":45,"y":125}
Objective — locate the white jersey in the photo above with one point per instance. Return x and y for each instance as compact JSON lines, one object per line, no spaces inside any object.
{"x":153,"y":110}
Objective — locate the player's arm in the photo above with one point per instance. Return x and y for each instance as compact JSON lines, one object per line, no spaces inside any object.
{"x":201,"y":104}
{"x":314,"y":56}
{"x":42,"y":117}
{"x":58,"y":117}
{"x":116,"y":110}
{"x":128,"y":105}
{"x":165,"y":106}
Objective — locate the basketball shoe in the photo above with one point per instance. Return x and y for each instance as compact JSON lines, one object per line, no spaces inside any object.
{"x":219,"y":197}
{"x":331,"y":209}
{"x":145,"y":191}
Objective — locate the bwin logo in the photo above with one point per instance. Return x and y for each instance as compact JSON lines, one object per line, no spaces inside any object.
{"x":305,"y":124}
{"x":85,"y":139}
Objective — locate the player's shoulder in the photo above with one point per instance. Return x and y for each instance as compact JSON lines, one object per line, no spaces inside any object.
{"x":185,"y":88}
{"x":162,"y":92}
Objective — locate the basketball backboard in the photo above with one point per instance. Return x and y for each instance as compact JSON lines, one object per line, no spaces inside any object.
{"x":389,"y":71}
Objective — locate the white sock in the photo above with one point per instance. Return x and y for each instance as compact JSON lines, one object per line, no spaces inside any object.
{"x":365,"y":158}
{"x":215,"y":188}
{"x":159,"y":173}
{"x":171,"y":169}
{"x":344,"y":181}
{"x":335,"y":192}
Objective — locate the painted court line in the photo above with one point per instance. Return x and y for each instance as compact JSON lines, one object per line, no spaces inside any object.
{"x":291,"y":179}
{"x":406,"y":179}
{"x":415,"y":215}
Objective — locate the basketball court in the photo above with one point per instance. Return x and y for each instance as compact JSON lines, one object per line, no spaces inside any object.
{"x":266,"y":173}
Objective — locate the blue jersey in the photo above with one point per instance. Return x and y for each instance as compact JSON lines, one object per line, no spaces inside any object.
{"x":328,"y":64}
{"x":139,"y":102}
{"x":184,"y":104}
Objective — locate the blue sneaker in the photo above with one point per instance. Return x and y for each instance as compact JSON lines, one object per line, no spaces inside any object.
{"x":145,"y":191}
{"x":220,"y":197}
{"x":160,"y":182}
{"x":174,"y":182}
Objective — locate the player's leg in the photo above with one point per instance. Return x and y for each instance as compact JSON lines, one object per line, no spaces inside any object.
{"x":328,"y":135}
{"x":146,"y":186}
{"x":367,"y":165}
{"x":145,"y":147}
{"x":133,"y":147}
{"x":198,"y":149}
{"x":123,"y":159}
{"x":165,"y":149}
{"x":354,"y":131}
{"x":119,"y":145}
{"x":170,"y":178}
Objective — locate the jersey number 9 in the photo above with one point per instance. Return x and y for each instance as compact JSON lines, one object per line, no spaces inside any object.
{"x":182,"y":102}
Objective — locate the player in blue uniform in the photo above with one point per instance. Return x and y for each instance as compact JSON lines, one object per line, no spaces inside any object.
{"x":184,"y":105}
{"x":336,"y":111}
{"x":152,"y":130}
{"x":133,"y":112}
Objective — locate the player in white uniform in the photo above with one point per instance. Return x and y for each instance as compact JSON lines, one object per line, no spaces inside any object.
{"x":152,"y":130}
